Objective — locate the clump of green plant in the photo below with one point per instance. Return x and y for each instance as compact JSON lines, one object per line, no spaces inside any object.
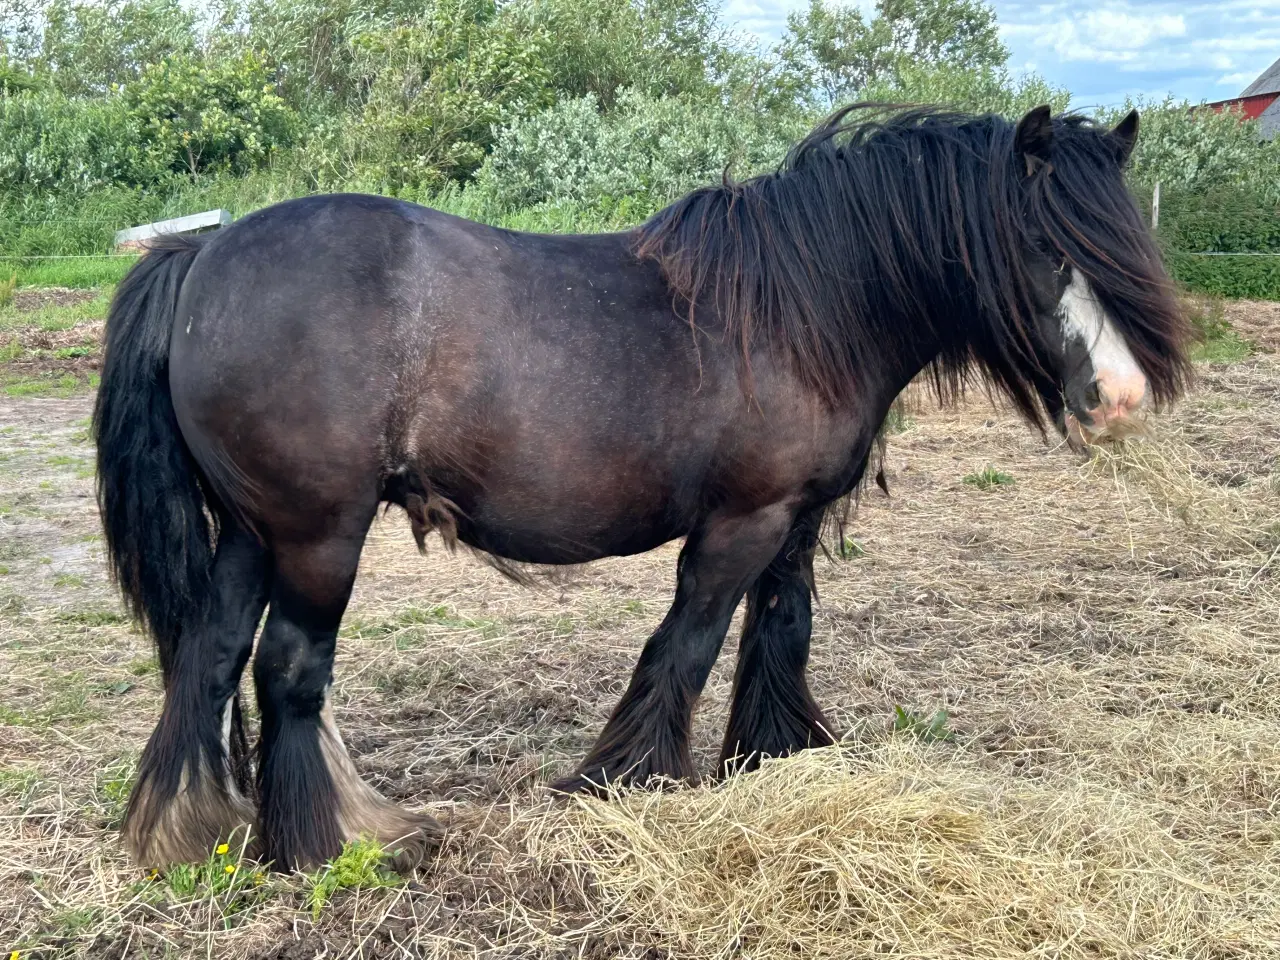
{"x":929,"y":729}
{"x":898,"y":420}
{"x":224,"y":878}
{"x":1218,"y":340}
{"x":7,"y":287}
{"x":988,"y":478}
{"x":851,"y":549}
{"x":360,"y":866}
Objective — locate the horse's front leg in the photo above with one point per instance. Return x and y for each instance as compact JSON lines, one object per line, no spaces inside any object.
{"x":647,"y":737}
{"x":773,"y":713}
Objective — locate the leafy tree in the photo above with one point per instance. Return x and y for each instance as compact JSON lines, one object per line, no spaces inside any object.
{"x":194,"y":117}
{"x":659,"y":47}
{"x":437,"y":88}
{"x":14,"y":79}
{"x":315,"y":44}
{"x":977,"y":90}
{"x":86,"y":48}
{"x":839,"y":52}
{"x":1200,"y":150}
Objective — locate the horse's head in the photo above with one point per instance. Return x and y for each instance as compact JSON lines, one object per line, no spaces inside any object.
{"x":1106,"y":325}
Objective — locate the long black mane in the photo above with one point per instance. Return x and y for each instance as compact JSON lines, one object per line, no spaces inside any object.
{"x":883,"y":234}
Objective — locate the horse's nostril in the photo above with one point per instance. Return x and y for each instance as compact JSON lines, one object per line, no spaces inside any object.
{"x":1093,"y":395}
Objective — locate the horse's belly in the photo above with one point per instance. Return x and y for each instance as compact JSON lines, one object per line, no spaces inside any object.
{"x":566,"y":532}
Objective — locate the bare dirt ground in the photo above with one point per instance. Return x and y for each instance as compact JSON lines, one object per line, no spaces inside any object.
{"x":1104,"y":636}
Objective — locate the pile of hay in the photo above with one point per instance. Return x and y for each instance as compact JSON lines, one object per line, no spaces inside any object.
{"x":906,"y":849}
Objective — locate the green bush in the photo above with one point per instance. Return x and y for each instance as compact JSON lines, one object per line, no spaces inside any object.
{"x":437,"y":88}
{"x":1197,"y":151}
{"x":195,"y":116}
{"x":51,"y":142}
{"x":1236,"y":220}
{"x":649,"y":149}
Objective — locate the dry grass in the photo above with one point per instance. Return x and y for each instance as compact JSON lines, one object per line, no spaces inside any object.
{"x":1103,"y":636}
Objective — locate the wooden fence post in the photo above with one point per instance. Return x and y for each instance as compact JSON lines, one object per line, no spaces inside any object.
{"x":1155,"y":207}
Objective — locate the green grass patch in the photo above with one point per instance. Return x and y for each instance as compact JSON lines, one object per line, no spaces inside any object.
{"x":60,"y":386}
{"x":14,"y":549}
{"x":111,"y":790}
{"x":1219,"y":341}
{"x":898,"y":420}
{"x":73,"y":580}
{"x":143,"y":666}
{"x":60,"y":317}
{"x":62,"y":460}
{"x":408,"y":626}
{"x":988,"y":478}
{"x":851,"y":549}
{"x":417,"y":678}
{"x":91,"y":618}
{"x":19,"y":784}
{"x":63,"y":702}
{"x":929,"y":729}
{"x":229,"y":884}
{"x":80,"y":274}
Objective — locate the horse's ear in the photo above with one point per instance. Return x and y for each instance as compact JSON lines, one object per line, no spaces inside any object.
{"x":1034,"y":138}
{"x":1126,"y":135}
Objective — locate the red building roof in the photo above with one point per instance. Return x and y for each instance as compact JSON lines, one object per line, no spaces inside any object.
{"x":1259,"y":101}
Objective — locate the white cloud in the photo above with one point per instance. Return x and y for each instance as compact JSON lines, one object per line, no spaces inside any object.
{"x":1236,"y":79}
{"x":1104,"y":50}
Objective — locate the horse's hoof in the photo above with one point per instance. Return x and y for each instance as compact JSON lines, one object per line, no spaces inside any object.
{"x":576,"y":783}
{"x":416,"y":842}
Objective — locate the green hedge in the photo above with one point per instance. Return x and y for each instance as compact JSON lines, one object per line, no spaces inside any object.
{"x":1230,"y":220}
{"x":1253,"y":278}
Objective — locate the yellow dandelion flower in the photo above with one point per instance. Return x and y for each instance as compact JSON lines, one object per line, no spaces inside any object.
{"x":221,"y":849}
{"x":229,"y":868}
{"x":14,"y":955}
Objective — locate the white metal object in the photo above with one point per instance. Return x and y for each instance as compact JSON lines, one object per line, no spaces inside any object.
{"x":189,"y":224}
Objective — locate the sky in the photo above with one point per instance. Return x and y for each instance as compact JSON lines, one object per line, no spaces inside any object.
{"x":1105,"y":50}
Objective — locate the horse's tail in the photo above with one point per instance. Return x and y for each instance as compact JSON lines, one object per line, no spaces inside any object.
{"x":159,"y":537}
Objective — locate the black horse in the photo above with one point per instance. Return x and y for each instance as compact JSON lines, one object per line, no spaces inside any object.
{"x":718,"y":374}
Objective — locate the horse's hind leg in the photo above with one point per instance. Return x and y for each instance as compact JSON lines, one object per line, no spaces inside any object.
{"x":773,"y":713}
{"x":192,"y":777}
{"x":648,"y":735}
{"x":311,"y":799}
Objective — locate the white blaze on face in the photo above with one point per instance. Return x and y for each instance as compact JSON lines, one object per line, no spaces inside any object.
{"x":1121,"y":382}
